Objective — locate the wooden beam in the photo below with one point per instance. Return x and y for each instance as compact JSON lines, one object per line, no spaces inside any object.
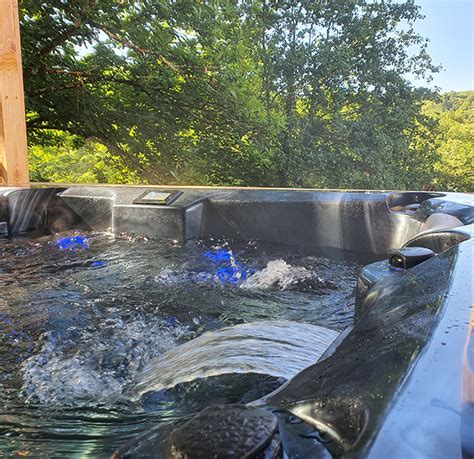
{"x":13,"y":146}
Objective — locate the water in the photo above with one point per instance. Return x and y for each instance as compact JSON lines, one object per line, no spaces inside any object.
{"x":81,"y":318}
{"x":280,"y":349}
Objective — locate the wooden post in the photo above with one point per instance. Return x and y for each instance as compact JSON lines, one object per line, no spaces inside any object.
{"x":13,"y":146}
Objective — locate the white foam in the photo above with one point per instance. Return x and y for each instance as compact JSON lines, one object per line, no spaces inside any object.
{"x":98,"y":369}
{"x":278,"y":274}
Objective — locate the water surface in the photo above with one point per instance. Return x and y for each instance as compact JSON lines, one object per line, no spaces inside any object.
{"x":81,"y":316}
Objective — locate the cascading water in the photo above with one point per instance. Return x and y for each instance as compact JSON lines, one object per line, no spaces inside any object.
{"x":276,"y":348}
{"x":27,"y":210}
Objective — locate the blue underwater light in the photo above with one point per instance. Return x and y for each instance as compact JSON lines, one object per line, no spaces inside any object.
{"x":73,"y":243}
{"x":231,"y":274}
{"x":217,"y":256}
{"x":228,"y":271}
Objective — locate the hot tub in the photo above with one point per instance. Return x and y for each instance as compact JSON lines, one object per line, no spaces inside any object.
{"x":398,"y":381}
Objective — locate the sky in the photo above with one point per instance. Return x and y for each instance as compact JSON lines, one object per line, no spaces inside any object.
{"x":449,"y":26}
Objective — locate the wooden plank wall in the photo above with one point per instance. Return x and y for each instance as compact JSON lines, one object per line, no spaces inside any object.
{"x":13,"y":146}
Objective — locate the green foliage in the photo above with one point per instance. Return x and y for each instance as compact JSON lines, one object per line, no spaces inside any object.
{"x":65,"y":158}
{"x":254,"y":92}
{"x":455,"y":114}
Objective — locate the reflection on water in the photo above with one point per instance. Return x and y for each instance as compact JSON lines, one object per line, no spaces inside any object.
{"x":77,"y":324}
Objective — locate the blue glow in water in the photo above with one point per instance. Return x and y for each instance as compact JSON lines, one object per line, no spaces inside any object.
{"x":73,"y":243}
{"x":394,"y":268}
{"x":231,"y":274}
{"x":227,"y":270}
{"x":217,"y":256}
{"x":98,"y":264}
{"x":5,"y":319}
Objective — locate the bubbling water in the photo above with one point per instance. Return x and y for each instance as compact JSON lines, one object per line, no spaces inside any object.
{"x":90,"y":322}
{"x":99,"y":369}
{"x":279,"y":274}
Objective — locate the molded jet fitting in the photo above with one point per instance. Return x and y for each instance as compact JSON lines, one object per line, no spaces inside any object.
{"x":408,"y":257}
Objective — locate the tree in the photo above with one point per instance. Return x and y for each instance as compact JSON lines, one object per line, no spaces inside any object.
{"x":140,"y":78}
{"x":249,"y":92}
{"x":61,"y":157}
{"x":455,"y":142}
{"x":339,"y":70}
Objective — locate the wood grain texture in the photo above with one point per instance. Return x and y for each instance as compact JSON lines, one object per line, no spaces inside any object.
{"x":13,"y":146}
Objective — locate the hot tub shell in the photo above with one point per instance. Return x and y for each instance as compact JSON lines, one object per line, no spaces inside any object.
{"x":400,"y":382}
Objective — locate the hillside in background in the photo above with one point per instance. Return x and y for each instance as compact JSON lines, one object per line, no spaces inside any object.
{"x":454,"y":113}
